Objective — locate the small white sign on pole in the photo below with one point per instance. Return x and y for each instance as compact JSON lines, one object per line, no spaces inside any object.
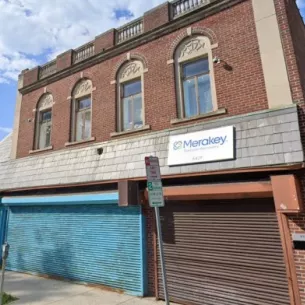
{"x":156,"y":200}
{"x":154,"y":183}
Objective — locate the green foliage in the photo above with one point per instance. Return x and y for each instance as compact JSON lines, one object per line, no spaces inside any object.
{"x":7,"y":298}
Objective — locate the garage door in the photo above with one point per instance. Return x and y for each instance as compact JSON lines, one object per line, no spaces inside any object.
{"x":85,"y":243}
{"x":223,"y":253}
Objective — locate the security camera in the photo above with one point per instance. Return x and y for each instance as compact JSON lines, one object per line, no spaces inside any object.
{"x":216,"y":60}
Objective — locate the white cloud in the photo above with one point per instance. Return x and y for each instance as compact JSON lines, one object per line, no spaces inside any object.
{"x":5,"y":129}
{"x":3,"y":80}
{"x":301,"y":4}
{"x":35,"y":28}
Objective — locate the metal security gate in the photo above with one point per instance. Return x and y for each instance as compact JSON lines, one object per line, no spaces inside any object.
{"x":85,"y":243}
{"x":223,"y":253}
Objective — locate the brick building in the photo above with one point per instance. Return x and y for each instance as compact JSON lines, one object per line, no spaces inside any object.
{"x":215,"y":89}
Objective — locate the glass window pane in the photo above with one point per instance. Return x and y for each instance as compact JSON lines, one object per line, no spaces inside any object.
{"x":205,"y":97}
{"x":87,"y":125}
{"x":48,"y":136}
{"x":79,"y":126}
{"x":138,"y":113}
{"x":190,"y":103}
{"x":44,"y":135}
{"x":131,"y":88}
{"x":196,"y":67}
{"x":127,"y":114}
{"x":46,"y":116}
{"x":85,"y":103}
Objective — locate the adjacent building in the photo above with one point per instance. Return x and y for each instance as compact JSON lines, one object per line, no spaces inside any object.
{"x":215,"y":89}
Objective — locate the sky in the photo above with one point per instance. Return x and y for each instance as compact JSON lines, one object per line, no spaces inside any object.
{"x":35,"y":31}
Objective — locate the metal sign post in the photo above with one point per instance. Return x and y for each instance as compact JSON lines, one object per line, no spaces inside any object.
{"x":156,"y":200}
{"x":161,"y":255}
{"x":5,"y":250}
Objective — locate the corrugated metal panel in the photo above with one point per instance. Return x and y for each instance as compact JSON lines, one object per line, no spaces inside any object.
{"x":3,"y":223}
{"x":93,"y":244}
{"x":224,"y":253}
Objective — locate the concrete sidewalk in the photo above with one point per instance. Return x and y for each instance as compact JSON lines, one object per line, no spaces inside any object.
{"x":32,"y":290}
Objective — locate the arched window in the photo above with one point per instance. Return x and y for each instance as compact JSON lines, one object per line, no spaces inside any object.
{"x":81,"y":111}
{"x":130,"y":96}
{"x":194,"y":69}
{"x":44,"y":122}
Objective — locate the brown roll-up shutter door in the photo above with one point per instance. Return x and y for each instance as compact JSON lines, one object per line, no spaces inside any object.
{"x":223,"y":253}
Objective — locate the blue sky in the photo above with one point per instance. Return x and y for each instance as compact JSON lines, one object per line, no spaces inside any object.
{"x":43,"y":29}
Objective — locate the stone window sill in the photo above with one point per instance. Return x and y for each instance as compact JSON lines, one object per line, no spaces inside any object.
{"x":201,"y":116}
{"x":80,"y":142}
{"x":36,"y":151}
{"x":122,"y":133}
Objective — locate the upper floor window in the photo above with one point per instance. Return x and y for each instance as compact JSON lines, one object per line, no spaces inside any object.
{"x":82,"y":111}
{"x":130,"y":92}
{"x":44,"y":122}
{"x":132,"y":105}
{"x":195,"y":82}
{"x":196,"y":87}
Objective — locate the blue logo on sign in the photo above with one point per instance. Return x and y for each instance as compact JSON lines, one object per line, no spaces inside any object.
{"x":178,"y":145}
{"x":200,"y":143}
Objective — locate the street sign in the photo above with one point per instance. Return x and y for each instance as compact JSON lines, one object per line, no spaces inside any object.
{"x":156,"y":200}
{"x":155,"y":194}
{"x":154,"y":183}
{"x":152,"y":169}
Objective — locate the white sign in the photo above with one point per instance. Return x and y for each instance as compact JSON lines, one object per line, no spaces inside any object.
{"x":152,"y":169}
{"x":298,"y":237}
{"x":202,"y":146}
{"x":154,"y":183}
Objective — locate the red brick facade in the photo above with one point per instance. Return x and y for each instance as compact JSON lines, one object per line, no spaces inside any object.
{"x":104,"y":41}
{"x":241,"y":90}
{"x":297,"y":225}
{"x":64,"y":60}
{"x":31,"y":76}
{"x":156,"y":17}
{"x":293,"y":35}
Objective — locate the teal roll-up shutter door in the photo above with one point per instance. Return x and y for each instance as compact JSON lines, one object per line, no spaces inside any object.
{"x":3,"y":224}
{"x":100,"y":244}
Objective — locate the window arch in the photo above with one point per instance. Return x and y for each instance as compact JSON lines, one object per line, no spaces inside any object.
{"x":81,"y":122}
{"x":130,"y":80}
{"x":196,"y":90}
{"x":43,"y":128}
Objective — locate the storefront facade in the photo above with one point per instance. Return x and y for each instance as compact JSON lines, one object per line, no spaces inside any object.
{"x":225,"y":222}
{"x":73,"y":191}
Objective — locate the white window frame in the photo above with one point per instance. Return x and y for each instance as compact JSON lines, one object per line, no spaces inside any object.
{"x":82,"y":90}
{"x":83,"y":111}
{"x":45,"y":104}
{"x":131,"y":71}
{"x":192,"y":49}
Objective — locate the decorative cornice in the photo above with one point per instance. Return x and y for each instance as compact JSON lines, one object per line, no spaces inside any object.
{"x":144,"y":38}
